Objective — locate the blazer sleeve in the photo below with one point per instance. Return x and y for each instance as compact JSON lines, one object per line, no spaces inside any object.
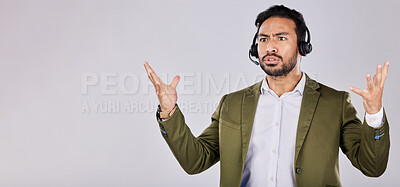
{"x":366,"y":147}
{"x":194,"y":154}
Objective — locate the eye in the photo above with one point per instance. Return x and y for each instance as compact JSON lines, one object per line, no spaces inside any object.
{"x":281,"y":38}
{"x":263,"y":39}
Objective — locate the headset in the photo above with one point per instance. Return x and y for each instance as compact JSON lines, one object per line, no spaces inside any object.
{"x":305,"y":47}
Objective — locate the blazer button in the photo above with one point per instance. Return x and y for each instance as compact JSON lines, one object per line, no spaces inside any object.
{"x":298,"y":170}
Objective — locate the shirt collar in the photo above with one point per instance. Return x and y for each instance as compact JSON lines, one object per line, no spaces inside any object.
{"x":299,"y":87}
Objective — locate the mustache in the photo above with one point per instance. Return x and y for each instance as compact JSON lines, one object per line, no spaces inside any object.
{"x":271,"y":54}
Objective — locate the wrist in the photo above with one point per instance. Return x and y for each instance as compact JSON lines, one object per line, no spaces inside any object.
{"x":374,"y":111}
{"x":165,"y":114}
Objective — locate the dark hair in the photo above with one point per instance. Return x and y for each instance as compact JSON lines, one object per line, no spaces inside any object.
{"x":284,"y":12}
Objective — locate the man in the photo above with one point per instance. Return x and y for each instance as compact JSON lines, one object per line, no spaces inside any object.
{"x":285,"y":130}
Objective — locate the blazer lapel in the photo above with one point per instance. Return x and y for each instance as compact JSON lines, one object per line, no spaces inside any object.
{"x":249,"y":106}
{"x":308,"y":105}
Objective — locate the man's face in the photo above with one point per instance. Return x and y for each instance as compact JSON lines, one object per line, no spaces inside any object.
{"x":277,"y":46}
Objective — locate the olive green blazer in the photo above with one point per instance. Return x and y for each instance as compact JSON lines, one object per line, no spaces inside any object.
{"x":327,"y":121}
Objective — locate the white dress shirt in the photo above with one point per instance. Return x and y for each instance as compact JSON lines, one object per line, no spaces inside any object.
{"x":270,"y":156}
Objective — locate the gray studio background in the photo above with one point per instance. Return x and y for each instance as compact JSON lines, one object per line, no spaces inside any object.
{"x":76,"y":108}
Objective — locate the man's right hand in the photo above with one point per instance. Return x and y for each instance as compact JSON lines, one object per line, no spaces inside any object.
{"x":166,"y":94}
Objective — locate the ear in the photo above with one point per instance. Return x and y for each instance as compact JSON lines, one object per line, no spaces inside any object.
{"x":298,"y":54}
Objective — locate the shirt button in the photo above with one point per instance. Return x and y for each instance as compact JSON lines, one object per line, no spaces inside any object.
{"x":298,"y":170}
{"x":274,"y":151}
{"x":277,"y":124}
{"x":271,"y":178}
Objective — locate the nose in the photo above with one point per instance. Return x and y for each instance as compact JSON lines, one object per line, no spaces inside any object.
{"x":271,"y":47}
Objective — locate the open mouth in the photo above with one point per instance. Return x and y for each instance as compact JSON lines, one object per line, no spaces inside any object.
{"x":271,"y":60}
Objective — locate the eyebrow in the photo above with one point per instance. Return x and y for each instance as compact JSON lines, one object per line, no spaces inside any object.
{"x":277,"y":34}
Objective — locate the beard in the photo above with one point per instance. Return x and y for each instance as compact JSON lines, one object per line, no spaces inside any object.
{"x":286,"y":66}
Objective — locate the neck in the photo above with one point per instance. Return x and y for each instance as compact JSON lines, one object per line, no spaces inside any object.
{"x":283,"y":84}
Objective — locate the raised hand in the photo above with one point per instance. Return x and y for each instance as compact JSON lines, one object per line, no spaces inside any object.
{"x":372,"y":95}
{"x":166,"y":94}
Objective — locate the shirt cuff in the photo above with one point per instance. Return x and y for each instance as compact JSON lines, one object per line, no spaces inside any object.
{"x":375,"y":120}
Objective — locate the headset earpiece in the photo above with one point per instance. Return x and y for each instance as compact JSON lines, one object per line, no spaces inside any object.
{"x":305,"y":47}
{"x":253,"y":51}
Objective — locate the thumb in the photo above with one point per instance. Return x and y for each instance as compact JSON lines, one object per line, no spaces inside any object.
{"x":175,"y":81}
{"x":357,"y":91}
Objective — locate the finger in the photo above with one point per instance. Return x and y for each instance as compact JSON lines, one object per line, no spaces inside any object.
{"x":370,"y":83}
{"x":384,"y":72}
{"x":378,"y":75}
{"x":148,"y":71}
{"x":175,"y":81}
{"x":147,"y":67}
{"x":357,"y":91}
{"x":157,"y":88}
{"x":151,"y":79}
{"x":156,"y":79}
{"x":152,"y":74}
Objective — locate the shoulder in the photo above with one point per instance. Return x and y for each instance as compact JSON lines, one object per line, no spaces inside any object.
{"x":237,"y":97}
{"x":328,"y":91}
{"x":253,"y":89}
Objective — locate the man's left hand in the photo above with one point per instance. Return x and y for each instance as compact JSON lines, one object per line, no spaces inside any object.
{"x":372,"y":95}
